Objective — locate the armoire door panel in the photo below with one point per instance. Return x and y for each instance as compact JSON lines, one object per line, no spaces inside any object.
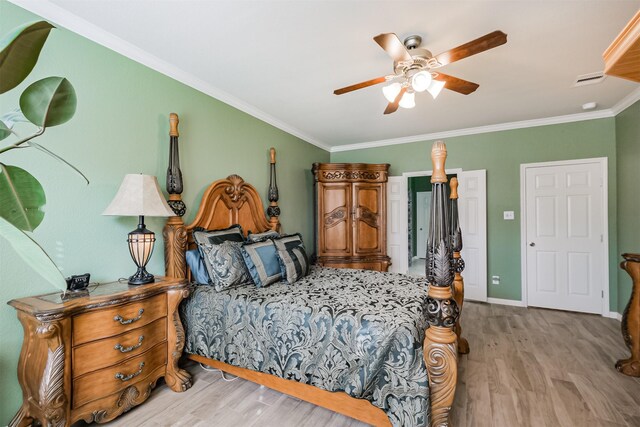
{"x":368,"y":234}
{"x":335,"y":234}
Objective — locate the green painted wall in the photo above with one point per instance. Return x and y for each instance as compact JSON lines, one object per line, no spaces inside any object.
{"x":501,"y":154}
{"x":122,"y":127}
{"x":628,"y":155}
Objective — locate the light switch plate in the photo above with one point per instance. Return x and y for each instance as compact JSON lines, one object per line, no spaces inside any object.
{"x":509,"y":215}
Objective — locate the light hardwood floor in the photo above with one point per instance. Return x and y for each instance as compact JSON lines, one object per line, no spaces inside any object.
{"x":527,"y":367}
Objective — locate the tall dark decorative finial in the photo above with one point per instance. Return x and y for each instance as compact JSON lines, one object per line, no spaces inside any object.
{"x":273,"y":210}
{"x":174,"y":174}
{"x":457,"y":263}
{"x":174,"y":232}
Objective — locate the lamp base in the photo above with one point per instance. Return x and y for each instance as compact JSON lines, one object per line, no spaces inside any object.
{"x":142,"y":277}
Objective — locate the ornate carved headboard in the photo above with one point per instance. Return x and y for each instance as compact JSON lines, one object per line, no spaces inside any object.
{"x":224,"y":203}
{"x":230,"y":201}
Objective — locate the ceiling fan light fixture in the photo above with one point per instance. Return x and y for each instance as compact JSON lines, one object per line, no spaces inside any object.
{"x":435,"y":88}
{"x":408,"y":100}
{"x":421,"y":81}
{"x":390,"y":92}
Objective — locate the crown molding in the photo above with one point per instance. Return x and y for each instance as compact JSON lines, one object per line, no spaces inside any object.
{"x":626,"y":102}
{"x":84,"y":28}
{"x":478,"y":130}
{"x":78,"y":25}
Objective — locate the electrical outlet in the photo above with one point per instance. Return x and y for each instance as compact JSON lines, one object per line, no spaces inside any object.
{"x":495,"y":280}
{"x":509,"y":215}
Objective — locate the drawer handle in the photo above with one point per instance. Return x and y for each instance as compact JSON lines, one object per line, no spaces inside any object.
{"x":120,"y":319}
{"x":130,"y":348}
{"x":122,"y":377}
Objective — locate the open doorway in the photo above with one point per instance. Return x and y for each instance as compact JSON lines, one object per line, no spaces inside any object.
{"x":419,"y":213}
{"x":404,"y":223}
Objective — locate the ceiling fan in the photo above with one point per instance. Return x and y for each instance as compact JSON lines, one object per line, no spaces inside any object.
{"x":413,"y":68}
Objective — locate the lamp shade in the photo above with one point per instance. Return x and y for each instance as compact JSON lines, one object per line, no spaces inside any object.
{"x":139,"y":195}
{"x":435,"y":88}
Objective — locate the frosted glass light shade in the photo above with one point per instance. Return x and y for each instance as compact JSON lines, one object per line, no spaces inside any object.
{"x":435,"y":88}
{"x":390,"y":92}
{"x":421,"y":81}
{"x":408,"y":100}
{"x":139,"y":195}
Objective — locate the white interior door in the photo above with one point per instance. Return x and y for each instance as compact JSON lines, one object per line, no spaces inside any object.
{"x":565,"y":236}
{"x":423,"y":211}
{"x":472,"y":210}
{"x":397,"y":224}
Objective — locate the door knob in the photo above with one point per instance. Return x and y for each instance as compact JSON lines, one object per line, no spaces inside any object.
{"x":532,"y":244}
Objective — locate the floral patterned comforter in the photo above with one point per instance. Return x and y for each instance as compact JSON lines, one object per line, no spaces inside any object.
{"x":355,"y":331}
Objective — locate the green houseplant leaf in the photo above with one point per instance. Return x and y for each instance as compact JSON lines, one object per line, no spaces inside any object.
{"x":58,"y":158}
{"x":5,"y":131}
{"x":32,"y":254}
{"x":19,"y":52}
{"x":49,"y":102}
{"x":21,"y":198}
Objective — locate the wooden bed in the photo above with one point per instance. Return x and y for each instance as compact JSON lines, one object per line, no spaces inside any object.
{"x":234,"y":201}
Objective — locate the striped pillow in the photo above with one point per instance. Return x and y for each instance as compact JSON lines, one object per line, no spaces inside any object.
{"x":294,"y":262}
{"x":262,"y":262}
{"x":256,"y":237}
{"x":216,"y":237}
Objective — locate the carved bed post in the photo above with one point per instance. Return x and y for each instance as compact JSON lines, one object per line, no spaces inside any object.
{"x":174,"y":232}
{"x":631,"y":318}
{"x":273,"y":210}
{"x":440,"y":344}
{"x":458,"y":262}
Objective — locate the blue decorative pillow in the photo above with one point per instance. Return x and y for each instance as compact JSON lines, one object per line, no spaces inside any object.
{"x":294,"y":262}
{"x":262,"y":261}
{"x":225,"y":265}
{"x":198,"y":269}
{"x":233,"y":233}
{"x":256,"y":237}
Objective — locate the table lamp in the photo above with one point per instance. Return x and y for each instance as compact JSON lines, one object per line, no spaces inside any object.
{"x":139,"y":195}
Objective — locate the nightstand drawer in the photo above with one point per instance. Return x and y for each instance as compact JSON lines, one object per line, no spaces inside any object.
{"x":115,"y":378}
{"x":116,"y":320}
{"x":109,"y":351}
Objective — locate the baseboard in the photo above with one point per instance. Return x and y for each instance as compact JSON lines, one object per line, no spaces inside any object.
{"x":515,"y":303}
{"x":613,"y":315}
{"x":502,"y":301}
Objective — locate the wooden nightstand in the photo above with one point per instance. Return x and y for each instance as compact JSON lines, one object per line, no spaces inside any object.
{"x":94,"y":358}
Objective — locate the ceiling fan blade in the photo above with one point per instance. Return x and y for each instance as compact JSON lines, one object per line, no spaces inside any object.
{"x":360,"y":85}
{"x":393,"y":46}
{"x":486,"y":42}
{"x":392,"y":107}
{"x":457,"y":85}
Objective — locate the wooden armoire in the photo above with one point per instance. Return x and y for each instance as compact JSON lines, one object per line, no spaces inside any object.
{"x":351,"y":215}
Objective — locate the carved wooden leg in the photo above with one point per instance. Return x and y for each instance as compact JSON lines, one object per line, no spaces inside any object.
{"x":177,"y":379}
{"x":440,"y":355}
{"x":631,"y":319}
{"x":44,"y":372}
{"x":175,"y":246}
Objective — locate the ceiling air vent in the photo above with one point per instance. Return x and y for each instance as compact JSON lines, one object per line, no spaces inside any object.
{"x":589,"y":79}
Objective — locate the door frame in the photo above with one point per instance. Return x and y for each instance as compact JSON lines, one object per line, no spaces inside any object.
{"x":604,"y":168}
{"x":416,"y":227}
{"x":405,"y":200}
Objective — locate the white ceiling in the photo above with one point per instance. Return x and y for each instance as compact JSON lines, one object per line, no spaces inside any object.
{"x":281,"y":61}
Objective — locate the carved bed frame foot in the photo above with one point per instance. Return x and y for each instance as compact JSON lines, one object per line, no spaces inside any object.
{"x":631,"y":318}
